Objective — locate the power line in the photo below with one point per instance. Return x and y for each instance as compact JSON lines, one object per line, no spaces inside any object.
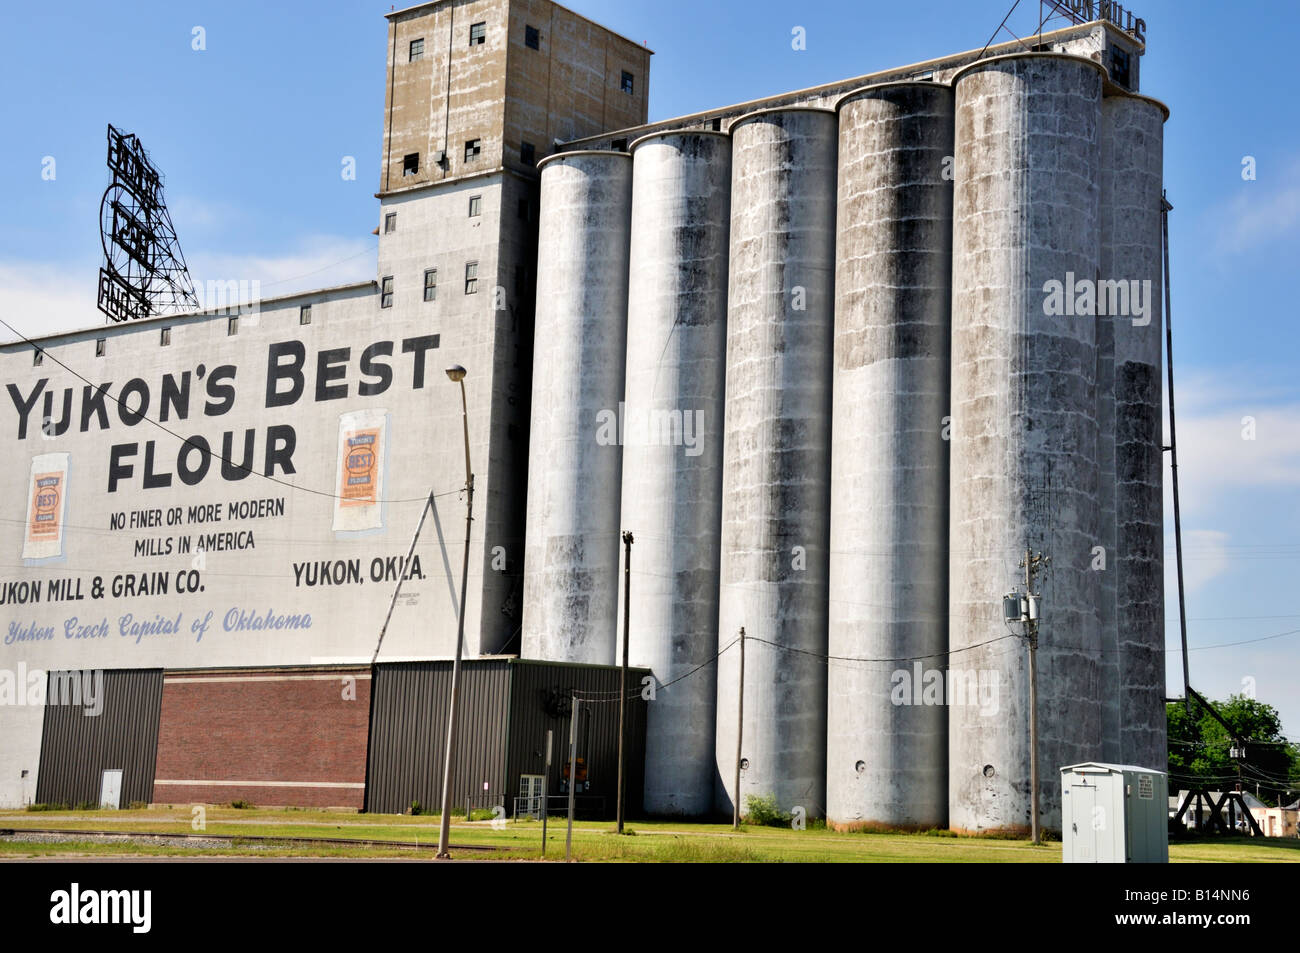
{"x":281,"y":281}
{"x":591,"y":696}
{"x":903,"y":658}
{"x":1223,"y":645}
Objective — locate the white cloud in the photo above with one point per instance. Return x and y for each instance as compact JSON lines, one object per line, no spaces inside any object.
{"x":48,"y":298}
{"x":1238,"y":436}
{"x":1259,"y":214}
{"x":319,"y":262}
{"x":40,"y":299}
{"x":1238,"y":431}
{"x":1205,"y":556}
{"x":190,"y":212}
{"x":1216,"y":457}
{"x":1202,"y":391}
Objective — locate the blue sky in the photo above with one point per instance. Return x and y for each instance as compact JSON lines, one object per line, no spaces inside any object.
{"x":251,"y":133}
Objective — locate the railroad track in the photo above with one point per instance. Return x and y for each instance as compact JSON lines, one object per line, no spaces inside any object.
{"x":231,"y":838}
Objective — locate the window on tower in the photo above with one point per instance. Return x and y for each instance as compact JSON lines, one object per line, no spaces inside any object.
{"x":472,"y":149}
{"x":527,"y":153}
{"x":471,"y":278}
{"x":411,"y":164}
{"x":478,"y":34}
{"x":1119,"y":67}
{"x":475,"y":206}
{"x":417,"y":50}
{"x":532,"y":38}
{"x":386,"y":292}
{"x":629,"y":83}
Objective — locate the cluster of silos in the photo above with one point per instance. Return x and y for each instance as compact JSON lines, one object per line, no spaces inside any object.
{"x":845,"y":412}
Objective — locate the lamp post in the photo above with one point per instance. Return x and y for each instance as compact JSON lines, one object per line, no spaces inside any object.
{"x":457,"y":375}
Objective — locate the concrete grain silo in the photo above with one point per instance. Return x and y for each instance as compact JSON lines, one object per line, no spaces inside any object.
{"x":776,"y":475}
{"x":1132,"y":143}
{"x":571,"y":559}
{"x":672,"y":452}
{"x":1024,"y":430}
{"x":887,"y":758}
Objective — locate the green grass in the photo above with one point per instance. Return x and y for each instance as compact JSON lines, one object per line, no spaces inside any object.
{"x":10,"y":850}
{"x":658,"y":841}
{"x":1236,"y":850}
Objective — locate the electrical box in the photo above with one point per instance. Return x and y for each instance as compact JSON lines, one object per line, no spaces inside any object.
{"x":1114,"y":814}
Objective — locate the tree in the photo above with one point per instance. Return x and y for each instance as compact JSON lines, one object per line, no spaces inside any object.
{"x":1200,"y":749}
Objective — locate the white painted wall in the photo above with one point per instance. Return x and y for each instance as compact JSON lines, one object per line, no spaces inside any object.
{"x":20,"y":728}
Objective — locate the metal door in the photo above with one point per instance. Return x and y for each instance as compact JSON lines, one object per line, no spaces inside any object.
{"x":1083,"y":801}
{"x":110,"y":789}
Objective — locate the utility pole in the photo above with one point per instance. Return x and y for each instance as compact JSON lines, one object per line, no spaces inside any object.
{"x":546,"y":777}
{"x":740,"y":735}
{"x":1239,"y":751}
{"x":622,"y":675}
{"x":1032,"y":624}
{"x":1032,"y":563}
{"x":573,"y":773}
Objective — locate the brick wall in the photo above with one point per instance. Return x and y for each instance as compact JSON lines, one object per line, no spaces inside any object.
{"x":269,"y":738}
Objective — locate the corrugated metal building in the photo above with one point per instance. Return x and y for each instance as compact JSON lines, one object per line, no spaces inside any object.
{"x":98,"y":723}
{"x":339,"y":737}
{"x":507,"y":706}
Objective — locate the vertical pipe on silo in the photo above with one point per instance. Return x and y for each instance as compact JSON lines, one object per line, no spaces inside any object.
{"x":776,"y":475}
{"x":1131,"y":194}
{"x":1109,"y":671}
{"x":571,"y":559}
{"x":887,"y":727}
{"x":672,"y":451}
{"x":1024,"y":430}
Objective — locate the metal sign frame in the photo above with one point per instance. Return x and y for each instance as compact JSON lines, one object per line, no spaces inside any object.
{"x":144,"y":271}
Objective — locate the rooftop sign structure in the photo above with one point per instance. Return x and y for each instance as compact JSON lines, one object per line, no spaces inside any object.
{"x":1085,"y":11}
{"x":144,"y":272}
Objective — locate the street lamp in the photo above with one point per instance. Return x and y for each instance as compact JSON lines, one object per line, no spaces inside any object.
{"x":457,"y":375}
